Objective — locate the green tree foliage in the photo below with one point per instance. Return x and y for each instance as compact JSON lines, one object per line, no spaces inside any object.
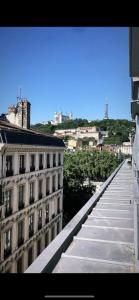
{"x":118,"y":130}
{"x":48,"y":128}
{"x":79,"y":166}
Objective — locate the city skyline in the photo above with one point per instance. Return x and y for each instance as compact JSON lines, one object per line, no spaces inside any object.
{"x":77,"y":69}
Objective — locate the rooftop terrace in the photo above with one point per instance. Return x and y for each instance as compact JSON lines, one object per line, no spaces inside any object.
{"x":100,"y":238}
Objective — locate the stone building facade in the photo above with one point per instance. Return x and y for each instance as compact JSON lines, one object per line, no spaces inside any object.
{"x":18,"y":114}
{"x":31,"y":195}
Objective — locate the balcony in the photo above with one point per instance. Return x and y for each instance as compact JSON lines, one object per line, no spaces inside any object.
{"x":20,"y":242}
{"x":21,"y":170}
{"x":8,"y":212}
{"x":40,"y":167}
{"x":9,"y":173}
{"x":31,"y":233}
{"x":31,"y":200}
{"x":32,"y":168}
{"x":7,"y":252}
{"x":21,"y":205}
{"x":103,"y":227}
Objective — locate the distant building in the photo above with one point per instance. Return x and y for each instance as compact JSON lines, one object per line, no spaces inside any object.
{"x":59,"y":118}
{"x":18,"y":114}
{"x":74,"y":144}
{"x":80,"y":132}
{"x":125,"y":148}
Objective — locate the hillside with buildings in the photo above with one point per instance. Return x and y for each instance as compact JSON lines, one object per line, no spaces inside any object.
{"x":109,"y":134}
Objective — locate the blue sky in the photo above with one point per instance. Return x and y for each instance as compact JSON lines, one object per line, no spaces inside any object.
{"x":66,"y":69}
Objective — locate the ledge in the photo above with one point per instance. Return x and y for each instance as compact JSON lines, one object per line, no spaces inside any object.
{"x":50,"y":256}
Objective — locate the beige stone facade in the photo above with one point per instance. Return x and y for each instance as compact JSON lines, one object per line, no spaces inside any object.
{"x":31,"y":201}
{"x":80,"y":132}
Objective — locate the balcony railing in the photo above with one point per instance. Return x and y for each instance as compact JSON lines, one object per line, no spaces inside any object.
{"x":31,"y":200}
{"x":32,"y":168}
{"x":7,"y":252}
{"x":20,"y":242}
{"x":9,"y":173}
{"x":21,"y":170}
{"x":61,"y":242}
{"x":21,"y":205}
{"x":8,"y":212}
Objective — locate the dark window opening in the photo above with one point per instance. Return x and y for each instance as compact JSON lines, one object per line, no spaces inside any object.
{"x":9,"y":167}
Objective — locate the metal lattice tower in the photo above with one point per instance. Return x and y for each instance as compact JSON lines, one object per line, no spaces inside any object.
{"x":106,"y":111}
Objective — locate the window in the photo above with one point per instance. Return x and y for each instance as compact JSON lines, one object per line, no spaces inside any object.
{"x":20,"y":233}
{"x":58,"y":205}
{"x":53,"y":208}
{"x":47,"y":239}
{"x":31,"y":200}
{"x":20,"y":265}
{"x":52,"y":232}
{"x":38,"y":247}
{"x":47,"y":213}
{"x":32,"y":162}
{"x":58,"y":227}
{"x":30,"y":256}
{"x":8,"y":202}
{"x":7,"y":243}
{"x":22,"y":164}
{"x":1,"y":195}
{"x":59,"y":159}
{"x":9,"y":171}
{"x":54,"y":160}
{"x":40,"y":219}
{"x":40,"y":189}
{"x":59,"y":181}
{"x":21,"y":197}
{"x":53,"y":183}
{"x":47,"y":186}
{"x":48,"y":160}
{"x":31,"y":223}
{"x":40,"y":161}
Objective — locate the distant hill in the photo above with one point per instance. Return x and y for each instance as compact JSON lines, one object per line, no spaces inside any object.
{"x":118,"y":130}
